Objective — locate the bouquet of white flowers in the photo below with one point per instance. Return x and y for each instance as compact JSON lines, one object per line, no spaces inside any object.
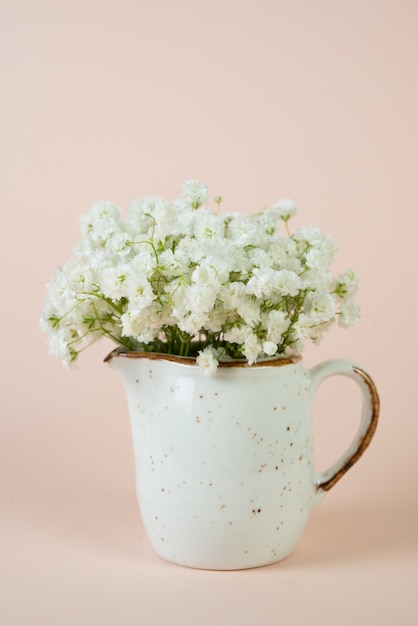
{"x":177,"y":278}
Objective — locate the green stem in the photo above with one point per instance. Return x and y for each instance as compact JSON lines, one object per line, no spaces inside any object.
{"x":69,"y":311}
{"x":104,"y":330}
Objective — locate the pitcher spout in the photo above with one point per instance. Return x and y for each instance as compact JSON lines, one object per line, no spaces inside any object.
{"x":110,"y":357}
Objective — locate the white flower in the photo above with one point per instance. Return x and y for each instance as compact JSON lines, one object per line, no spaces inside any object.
{"x":209,"y":226}
{"x":139,"y":291}
{"x":316,"y":333}
{"x":349,"y":314}
{"x":284,"y":254}
{"x":131,"y":323}
{"x":216,"y":319}
{"x":165,"y":220}
{"x":347,"y":284}
{"x":221,"y":263}
{"x":288,"y":283}
{"x":276,"y":323}
{"x":319,"y":280}
{"x":58,"y":345}
{"x":233,"y":295}
{"x":251,"y":348}
{"x":266,"y":282}
{"x":207,"y":359}
{"x":285,"y":208}
{"x":205,"y":275}
{"x":260,"y":258}
{"x":143,"y":264}
{"x":310,"y":234}
{"x":269,"y":348}
{"x":262,"y":282}
{"x":237,"y":334}
{"x":195,"y":191}
{"x":250,"y":311}
{"x":316,"y":258}
{"x":119,"y":244}
{"x":141,"y":213}
{"x":300,"y":332}
{"x":144,"y":324}
{"x":79,"y":277}
{"x":112,"y":281}
{"x":174,"y":272}
{"x":242,"y":230}
{"x":102,"y":221}
{"x":320,"y":307}
{"x":199,"y":298}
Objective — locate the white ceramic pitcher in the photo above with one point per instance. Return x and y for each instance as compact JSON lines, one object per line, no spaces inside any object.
{"x":225,"y":471}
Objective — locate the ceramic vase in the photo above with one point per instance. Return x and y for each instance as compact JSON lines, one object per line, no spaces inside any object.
{"x":225,"y":470}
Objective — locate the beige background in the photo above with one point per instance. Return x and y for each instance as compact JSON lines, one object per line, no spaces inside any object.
{"x":316,"y":100}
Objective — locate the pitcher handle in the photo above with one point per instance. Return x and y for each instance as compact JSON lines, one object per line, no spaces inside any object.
{"x":370,"y":414}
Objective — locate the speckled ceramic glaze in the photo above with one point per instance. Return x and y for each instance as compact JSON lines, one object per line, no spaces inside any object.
{"x":224,"y":463}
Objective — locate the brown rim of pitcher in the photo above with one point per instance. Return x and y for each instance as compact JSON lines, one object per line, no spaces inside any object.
{"x":191,"y":360}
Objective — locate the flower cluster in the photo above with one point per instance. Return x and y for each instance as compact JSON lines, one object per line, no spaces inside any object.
{"x":175,"y":277}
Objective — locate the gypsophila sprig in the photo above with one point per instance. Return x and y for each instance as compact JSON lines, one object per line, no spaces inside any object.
{"x":175,"y":277}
